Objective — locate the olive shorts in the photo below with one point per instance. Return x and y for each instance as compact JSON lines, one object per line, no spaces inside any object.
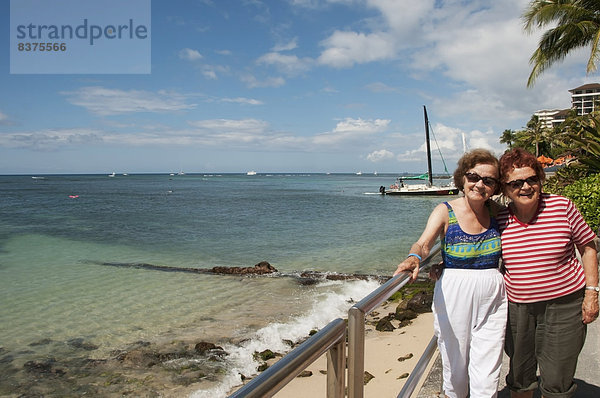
{"x":549,"y":334}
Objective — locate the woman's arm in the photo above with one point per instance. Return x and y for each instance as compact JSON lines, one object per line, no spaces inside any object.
{"x":435,"y":226}
{"x":590,"y":269}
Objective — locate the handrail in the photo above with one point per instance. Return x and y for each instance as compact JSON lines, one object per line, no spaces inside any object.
{"x":356,"y":325}
{"x":415,"y":376}
{"x":332,"y":338}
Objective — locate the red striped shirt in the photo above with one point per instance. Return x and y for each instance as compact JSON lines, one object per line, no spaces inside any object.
{"x":539,"y":257}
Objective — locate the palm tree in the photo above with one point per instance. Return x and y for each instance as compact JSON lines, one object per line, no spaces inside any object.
{"x":508,"y":137}
{"x":576,"y":23}
{"x":535,"y":134}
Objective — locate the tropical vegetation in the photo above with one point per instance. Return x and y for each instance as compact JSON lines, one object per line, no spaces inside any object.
{"x":573,"y":24}
{"x":577,"y":138}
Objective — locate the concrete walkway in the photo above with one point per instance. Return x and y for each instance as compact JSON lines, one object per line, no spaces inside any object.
{"x":587,"y":376}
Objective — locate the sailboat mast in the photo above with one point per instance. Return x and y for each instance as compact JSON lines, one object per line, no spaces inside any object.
{"x":428,"y":147}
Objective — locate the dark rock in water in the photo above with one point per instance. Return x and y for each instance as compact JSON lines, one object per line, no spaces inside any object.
{"x":43,"y":368}
{"x":202,"y":347}
{"x":315,"y":275}
{"x":7,"y":359}
{"x":262,"y":367}
{"x":41,"y":342}
{"x":259,"y":269}
{"x":385,"y":325}
{"x":79,"y":343}
{"x":265,"y":355}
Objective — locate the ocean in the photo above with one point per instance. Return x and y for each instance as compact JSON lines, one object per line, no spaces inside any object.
{"x":58,"y":231}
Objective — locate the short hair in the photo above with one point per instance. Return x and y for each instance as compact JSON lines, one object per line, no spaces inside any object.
{"x":517,"y":158}
{"x":470,"y":160}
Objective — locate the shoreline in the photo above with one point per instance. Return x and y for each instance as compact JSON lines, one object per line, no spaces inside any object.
{"x":389,"y":357}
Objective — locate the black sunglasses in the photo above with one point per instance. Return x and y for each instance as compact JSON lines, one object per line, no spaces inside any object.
{"x":474,"y":178}
{"x":518,"y":184}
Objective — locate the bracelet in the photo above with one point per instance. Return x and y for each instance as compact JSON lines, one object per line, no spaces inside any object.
{"x":414,"y":255}
{"x":594,"y":288}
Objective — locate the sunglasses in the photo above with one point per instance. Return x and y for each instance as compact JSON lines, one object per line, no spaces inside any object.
{"x":518,"y":184}
{"x":475,"y":178}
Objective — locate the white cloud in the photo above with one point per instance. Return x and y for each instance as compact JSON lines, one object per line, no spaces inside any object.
{"x":105,"y":101}
{"x":344,"y":49}
{"x":190,"y":55}
{"x":378,"y":156}
{"x":252,"y":82}
{"x":50,"y":139}
{"x":292,"y":44}
{"x":242,"y":100}
{"x":290,"y":65}
{"x":351,"y":129}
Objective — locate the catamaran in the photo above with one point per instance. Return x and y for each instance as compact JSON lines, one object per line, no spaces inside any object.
{"x":400,"y":188}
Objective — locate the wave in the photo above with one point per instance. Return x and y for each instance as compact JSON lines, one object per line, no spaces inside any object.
{"x":326,"y":307}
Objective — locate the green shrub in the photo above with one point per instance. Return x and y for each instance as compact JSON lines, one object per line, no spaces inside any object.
{"x":585,"y":193}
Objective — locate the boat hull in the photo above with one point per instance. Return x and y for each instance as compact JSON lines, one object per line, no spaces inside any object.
{"x":421,"y":192}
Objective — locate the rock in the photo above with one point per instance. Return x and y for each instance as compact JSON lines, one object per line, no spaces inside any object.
{"x":265,"y":355}
{"x":305,"y":373}
{"x":420,"y":303}
{"x":402,"y":376}
{"x":385,"y":325}
{"x":402,"y":315}
{"x":79,"y":343}
{"x":259,"y":269}
{"x":203,"y":346}
{"x":367,"y":378}
{"x":405,"y":357}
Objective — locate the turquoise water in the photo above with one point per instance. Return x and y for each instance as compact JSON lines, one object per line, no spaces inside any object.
{"x":55,"y":232}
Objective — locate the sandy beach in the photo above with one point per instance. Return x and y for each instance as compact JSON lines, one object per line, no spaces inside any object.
{"x":382,"y":351}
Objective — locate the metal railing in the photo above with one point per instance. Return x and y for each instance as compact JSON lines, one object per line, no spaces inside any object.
{"x":330,"y":339}
{"x":413,"y":380}
{"x":356,"y":325}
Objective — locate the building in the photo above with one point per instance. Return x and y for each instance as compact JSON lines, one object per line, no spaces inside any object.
{"x":552,"y":118}
{"x":584,"y":99}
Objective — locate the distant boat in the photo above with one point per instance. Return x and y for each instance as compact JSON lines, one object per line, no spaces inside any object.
{"x":251,"y":173}
{"x":38,"y":178}
{"x":181,"y":173}
{"x":112,"y":174}
{"x":359,"y":173}
{"x":400,"y":188}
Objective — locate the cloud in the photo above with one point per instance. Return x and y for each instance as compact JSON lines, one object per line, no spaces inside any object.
{"x":350,"y":130}
{"x":105,"y":101}
{"x":50,"y":139}
{"x":344,"y":49}
{"x":289,"y":65}
{"x":189,"y":55}
{"x":4,"y":119}
{"x":252,"y":82}
{"x":242,"y":100}
{"x":292,"y":44}
{"x":378,"y":156}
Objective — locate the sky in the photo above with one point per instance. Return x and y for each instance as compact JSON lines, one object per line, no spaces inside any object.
{"x":288,"y":86}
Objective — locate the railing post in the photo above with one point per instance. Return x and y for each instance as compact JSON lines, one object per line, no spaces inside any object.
{"x":336,"y":369}
{"x":356,"y":352}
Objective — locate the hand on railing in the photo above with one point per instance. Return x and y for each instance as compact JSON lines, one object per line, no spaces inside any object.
{"x":410,"y":266}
